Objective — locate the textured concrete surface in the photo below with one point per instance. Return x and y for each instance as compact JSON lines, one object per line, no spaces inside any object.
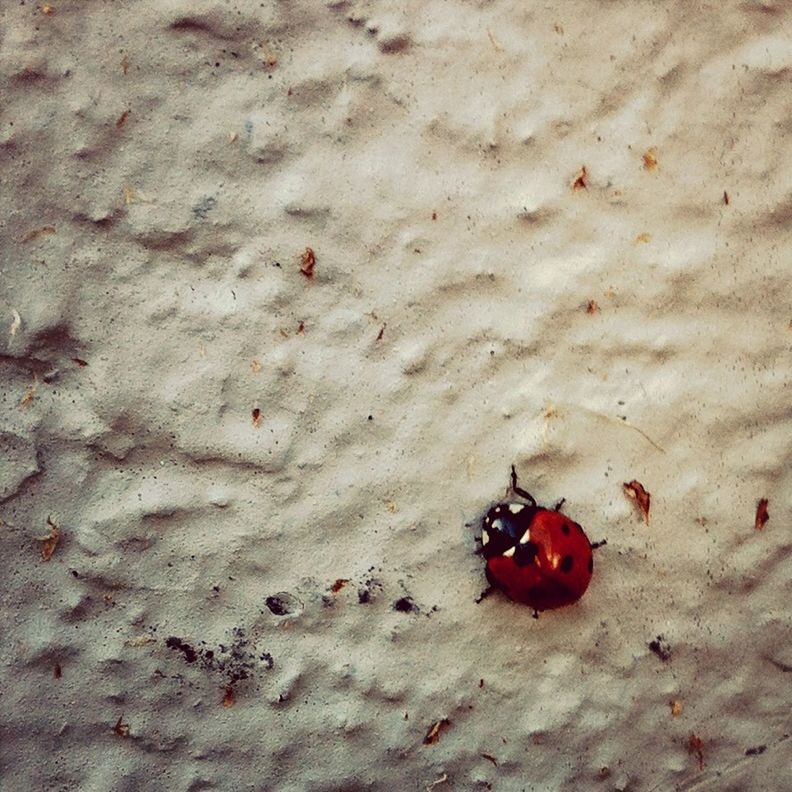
{"x":261,"y":486}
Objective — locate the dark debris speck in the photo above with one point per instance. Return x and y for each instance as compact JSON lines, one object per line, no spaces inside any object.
{"x":661,"y":648}
{"x":405,"y":605}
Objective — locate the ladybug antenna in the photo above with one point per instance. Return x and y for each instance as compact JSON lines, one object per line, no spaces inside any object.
{"x":519,"y":491}
{"x":601,"y":543}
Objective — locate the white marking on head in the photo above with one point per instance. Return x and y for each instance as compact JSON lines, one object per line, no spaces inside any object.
{"x":484,"y":537}
{"x":497,"y":525}
{"x":508,"y":553}
{"x":516,"y":508}
{"x":526,"y":537}
{"x":497,"y":510}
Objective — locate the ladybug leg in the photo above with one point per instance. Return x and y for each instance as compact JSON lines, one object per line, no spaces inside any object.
{"x":558,"y":505}
{"x":519,"y":491}
{"x":535,"y":614}
{"x":595,"y":545}
{"x":484,"y":594}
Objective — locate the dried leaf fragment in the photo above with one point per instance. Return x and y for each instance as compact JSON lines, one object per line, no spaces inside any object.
{"x":644,"y":238}
{"x":490,"y":758}
{"x":308,"y":263}
{"x":47,"y":9}
{"x":125,"y":64}
{"x":122,"y":119}
{"x":255,"y":414}
{"x":382,"y":331}
{"x":676,"y":707}
{"x":650,"y":159}
{"x":301,"y":328}
{"x":38,"y":232}
{"x":696,"y":748}
{"x":80,"y":362}
{"x":443,"y":778}
{"x":338,"y":585}
{"x":121,"y":729}
{"x":228,"y":698}
{"x":762,"y":515}
{"x":29,"y":394}
{"x":433,"y":735}
{"x":15,"y":324}
{"x":255,"y":366}
{"x":725,"y":197}
{"x":642,"y":498}
{"x":49,"y":542}
{"x":140,"y":640}
{"x":580,"y":182}
{"x":592,"y":307}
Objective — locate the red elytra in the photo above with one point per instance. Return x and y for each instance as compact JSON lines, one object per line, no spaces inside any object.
{"x":536,"y":556}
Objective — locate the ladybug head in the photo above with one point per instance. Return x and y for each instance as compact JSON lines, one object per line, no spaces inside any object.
{"x":506,"y":531}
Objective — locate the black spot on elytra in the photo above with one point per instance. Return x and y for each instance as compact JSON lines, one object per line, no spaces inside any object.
{"x":566,"y":563}
{"x":660,"y":648}
{"x":524,"y":554}
{"x":565,"y":529}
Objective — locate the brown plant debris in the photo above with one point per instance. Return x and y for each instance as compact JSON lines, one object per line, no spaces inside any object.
{"x":580,"y":182}
{"x":433,"y":735}
{"x":696,"y":748}
{"x":122,"y":119}
{"x":256,"y":416}
{"x":762,"y":515}
{"x":650,"y":159}
{"x":50,"y":541}
{"x":676,"y":707}
{"x":308,"y":262}
{"x":592,"y":307}
{"x":725,"y":198}
{"x":121,"y":729}
{"x":338,"y":585}
{"x":47,"y":230}
{"x":228,"y":698}
{"x":635,"y":490}
{"x":29,"y":394}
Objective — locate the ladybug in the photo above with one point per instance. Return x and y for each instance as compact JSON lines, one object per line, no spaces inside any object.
{"x":535,"y":555}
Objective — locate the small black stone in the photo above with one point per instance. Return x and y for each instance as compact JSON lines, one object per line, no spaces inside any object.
{"x":405,"y":605}
{"x":190,"y":655}
{"x":660,"y":648}
{"x":759,"y":749}
{"x":277,"y":606}
{"x":364,"y":596}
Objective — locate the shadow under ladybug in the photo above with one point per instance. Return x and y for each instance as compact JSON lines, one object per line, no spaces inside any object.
{"x":535,"y":556}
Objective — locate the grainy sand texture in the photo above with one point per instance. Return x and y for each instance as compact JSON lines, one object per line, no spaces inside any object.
{"x":285,"y":289}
